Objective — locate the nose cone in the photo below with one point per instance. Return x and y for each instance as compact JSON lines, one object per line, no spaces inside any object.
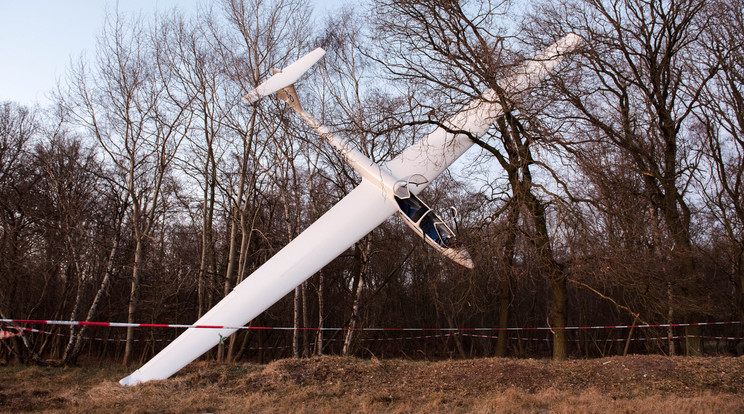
{"x":460,"y":256}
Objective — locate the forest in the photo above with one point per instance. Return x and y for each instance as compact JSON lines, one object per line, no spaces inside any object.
{"x":611,"y":194}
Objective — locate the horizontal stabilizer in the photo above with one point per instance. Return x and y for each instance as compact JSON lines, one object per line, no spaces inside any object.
{"x":285,"y":77}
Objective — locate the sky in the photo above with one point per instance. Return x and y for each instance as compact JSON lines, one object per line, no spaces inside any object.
{"x":38,"y":38}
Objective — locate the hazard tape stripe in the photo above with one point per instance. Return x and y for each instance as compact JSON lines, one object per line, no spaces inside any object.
{"x":418,"y":337}
{"x":91,"y":338}
{"x":658,"y":338}
{"x":289,"y":328}
{"x":32,"y":330}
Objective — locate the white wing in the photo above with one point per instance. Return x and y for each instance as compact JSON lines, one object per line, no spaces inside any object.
{"x":352,"y":218}
{"x":434,"y":153}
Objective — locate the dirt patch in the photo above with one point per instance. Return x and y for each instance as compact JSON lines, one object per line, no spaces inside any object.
{"x":333,"y":384}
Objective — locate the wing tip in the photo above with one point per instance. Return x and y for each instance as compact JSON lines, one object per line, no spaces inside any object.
{"x":129,"y":380}
{"x":568,"y":43}
{"x":251,"y":97}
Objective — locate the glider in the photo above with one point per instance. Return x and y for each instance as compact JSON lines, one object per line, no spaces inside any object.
{"x":383,"y":191}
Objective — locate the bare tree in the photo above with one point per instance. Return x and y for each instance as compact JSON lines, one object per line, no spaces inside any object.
{"x":251,"y":39}
{"x":69,"y":178}
{"x":18,"y":128}
{"x":454,"y":52}
{"x":198,"y":75}
{"x":634,"y":92}
{"x":127,"y":106}
{"x":721,"y":124}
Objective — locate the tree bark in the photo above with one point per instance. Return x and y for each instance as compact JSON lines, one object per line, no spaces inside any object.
{"x":102,"y":290}
{"x":321,"y":314}
{"x":507,"y":270}
{"x":362,"y":256}
{"x":296,"y":324}
{"x":133,"y":299}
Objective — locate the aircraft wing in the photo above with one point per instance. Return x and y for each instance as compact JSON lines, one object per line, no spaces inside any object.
{"x":434,"y":153}
{"x":349,"y":220}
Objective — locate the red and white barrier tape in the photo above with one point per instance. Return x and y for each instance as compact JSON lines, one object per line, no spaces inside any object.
{"x":418,"y":337}
{"x":658,"y":338}
{"x":85,"y":337}
{"x":289,"y":328}
{"x":254,"y":348}
{"x":8,"y":334}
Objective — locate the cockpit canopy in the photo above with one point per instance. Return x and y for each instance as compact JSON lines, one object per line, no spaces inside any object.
{"x":402,"y":187}
{"x":428,"y":221}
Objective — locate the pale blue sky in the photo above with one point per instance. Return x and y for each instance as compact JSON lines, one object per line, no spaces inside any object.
{"x":38,"y":38}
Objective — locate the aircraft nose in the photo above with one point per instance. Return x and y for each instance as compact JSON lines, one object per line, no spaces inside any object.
{"x":463,"y":257}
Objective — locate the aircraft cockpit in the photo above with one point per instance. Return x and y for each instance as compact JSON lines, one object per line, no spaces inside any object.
{"x":428,"y":221}
{"x":422,"y":219}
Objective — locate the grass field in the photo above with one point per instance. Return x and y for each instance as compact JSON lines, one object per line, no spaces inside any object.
{"x":637,"y":384}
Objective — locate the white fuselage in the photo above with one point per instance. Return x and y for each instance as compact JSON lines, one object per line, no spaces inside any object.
{"x":382,"y":178}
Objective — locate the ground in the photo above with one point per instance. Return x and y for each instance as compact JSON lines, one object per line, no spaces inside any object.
{"x":637,"y":384}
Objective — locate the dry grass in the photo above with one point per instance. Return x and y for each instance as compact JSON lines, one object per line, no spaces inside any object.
{"x":635,"y":384}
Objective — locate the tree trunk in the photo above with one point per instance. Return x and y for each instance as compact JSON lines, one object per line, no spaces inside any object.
{"x":96,"y":301}
{"x":362,"y":258}
{"x":102,"y":289}
{"x":670,"y":316}
{"x":207,"y":261}
{"x":505,"y":296}
{"x":558,"y":306}
{"x":238,"y":217}
{"x":504,"y":304}
{"x":738,"y":269}
{"x":555,"y":274}
{"x":305,"y":322}
{"x":75,"y":310}
{"x":319,"y":336}
{"x":232,"y":263}
{"x":133,"y":298}
{"x":359,"y":281}
{"x":296,"y":326}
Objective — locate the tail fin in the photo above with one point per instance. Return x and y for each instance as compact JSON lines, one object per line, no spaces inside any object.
{"x":289,"y":95}
{"x":284,"y":78}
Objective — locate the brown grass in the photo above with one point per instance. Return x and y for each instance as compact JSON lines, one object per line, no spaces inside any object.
{"x":634,"y":384}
